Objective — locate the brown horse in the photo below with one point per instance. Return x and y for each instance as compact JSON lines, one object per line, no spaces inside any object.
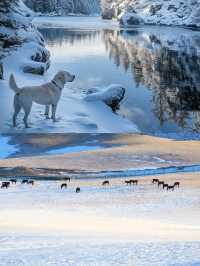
{"x":134,"y":181}
{"x":106,"y":182}
{"x":155,"y":180}
{"x":78,"y":190}
{"x":177,"y":184}
{"x":170,"y":188}
{"x":161,"y":183}
{"x":165,"y":186}
{"x":63,"y":186}
{"x":127,"y":182}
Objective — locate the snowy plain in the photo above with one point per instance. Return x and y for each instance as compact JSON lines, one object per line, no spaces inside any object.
{"x":115,"y":225}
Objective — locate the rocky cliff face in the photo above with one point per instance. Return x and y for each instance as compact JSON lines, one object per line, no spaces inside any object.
{"x":166,"y":12}
{"x":16,"y":30}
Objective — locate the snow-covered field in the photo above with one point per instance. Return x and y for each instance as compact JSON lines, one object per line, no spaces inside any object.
{"x":114,"y":225}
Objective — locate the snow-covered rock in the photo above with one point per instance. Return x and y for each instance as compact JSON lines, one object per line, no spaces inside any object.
{"x":16,"y":30}
{"x":111,"y":96}
{"x":164,"y":12}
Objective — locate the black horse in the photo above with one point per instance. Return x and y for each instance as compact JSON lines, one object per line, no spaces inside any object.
{"x":67,"y":179}
{"x":5,"y":184}
{"x":63,"y":186}
{"x":13,"y":181}
{"x":106,"y":182}
{"x":78,"y":190}
{"x":31,"y":182}
{"x":24,"y":181}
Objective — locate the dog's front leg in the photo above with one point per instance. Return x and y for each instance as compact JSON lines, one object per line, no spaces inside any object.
{"x":47,"y":111}
{"x":54,"y":107}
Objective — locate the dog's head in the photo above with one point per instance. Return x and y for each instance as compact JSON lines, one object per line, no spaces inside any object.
{"x":64,"y":76}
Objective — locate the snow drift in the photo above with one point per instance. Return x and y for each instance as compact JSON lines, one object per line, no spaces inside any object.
{"x":133,"y":12}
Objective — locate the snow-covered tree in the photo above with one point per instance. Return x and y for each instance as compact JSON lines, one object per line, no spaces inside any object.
{"x":16,"y":29}
{"x":64,"y":7}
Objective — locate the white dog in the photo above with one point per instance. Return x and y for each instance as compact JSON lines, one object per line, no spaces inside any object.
{"x":47,"y":94}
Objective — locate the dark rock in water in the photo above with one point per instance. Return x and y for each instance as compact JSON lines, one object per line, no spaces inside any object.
{"x":112,"y":96}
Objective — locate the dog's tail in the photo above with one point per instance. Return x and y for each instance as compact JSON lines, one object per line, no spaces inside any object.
{"x":13,"y":84}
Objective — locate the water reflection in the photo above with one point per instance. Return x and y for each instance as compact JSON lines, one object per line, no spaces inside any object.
{"x":164,"y":64}
{"x":169,"y":66}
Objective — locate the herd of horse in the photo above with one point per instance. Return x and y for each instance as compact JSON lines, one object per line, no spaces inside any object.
{"x":165,"y":185}
{"x":7,"y":184}
{"x":159,"y":183}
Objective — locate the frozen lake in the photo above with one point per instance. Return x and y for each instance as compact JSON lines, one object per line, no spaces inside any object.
{"x":150,"y":62}
{"x":160,"y":71}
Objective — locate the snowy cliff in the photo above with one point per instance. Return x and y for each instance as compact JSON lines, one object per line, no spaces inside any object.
{"x":165,"y":12}
{"x":17,"y":31}
{"x":63,"y":7}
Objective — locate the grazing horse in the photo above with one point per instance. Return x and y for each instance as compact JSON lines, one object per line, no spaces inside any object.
{"x":67,"y":179}
{"x":170,"y":188}
{"x":155,"y":180}
{"x":63,"y":186}
{"x":165,"y":186}
{"x":5,"y":184}
{"x":13,"y":181}
{"x":127,"y":182}
{"x":78,"y":190}
{"x":161,"y":183}
{"x":31,"y":182}
{"x":106,"y":182}
{"x":134,"y":181}
{"x":177,"y":184}
{"x":24,"y":181}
